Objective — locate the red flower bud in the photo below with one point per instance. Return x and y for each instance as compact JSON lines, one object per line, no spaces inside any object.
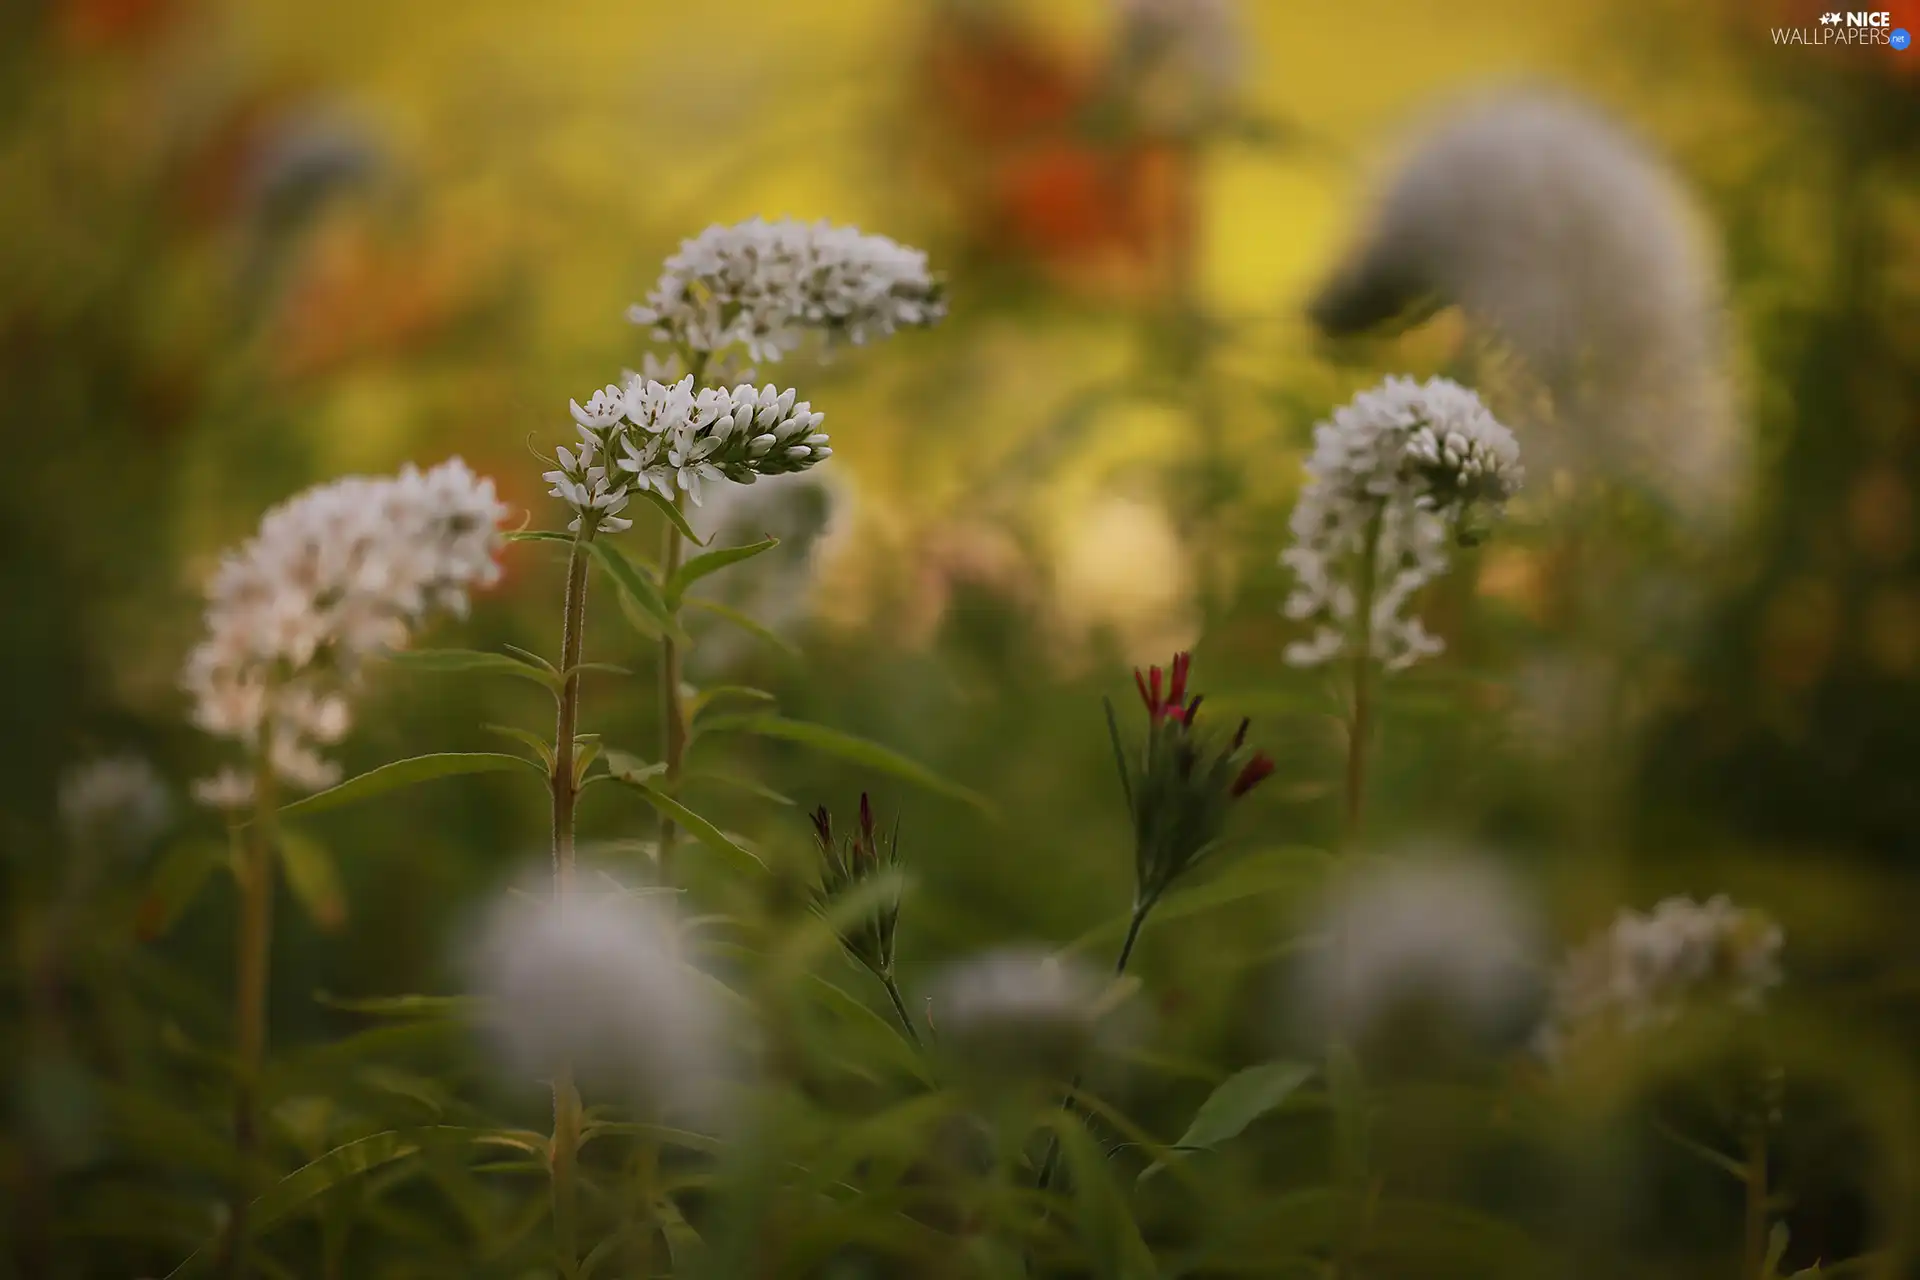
{"x":1251,"y":775}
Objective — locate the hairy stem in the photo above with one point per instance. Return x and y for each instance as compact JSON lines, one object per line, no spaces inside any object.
{"x":565,"y":790}
{"x":673,"y":709}
{"x":252,"y":955}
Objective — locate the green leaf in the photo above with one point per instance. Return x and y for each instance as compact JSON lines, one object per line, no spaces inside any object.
{"x":610,"y":668}
{"x":174,"y":884}
{"x":712,"y":562}
{"x":1107,"y":1227}
{"x":695,"y":825}
{"x":472,"y":660}
{"x":404,"y":773}
{"x":1253,"y":875}
{"x":536,"y":535}
{"x":746,"y":622}
{"x":674,"y":514}
{"x":630,"y":768}
{"x":314,"y":879}
{"x":747,"y":785}
{"x":724,"y":692}
{"x":638,"y":586}
{"x":462,"y":1008}
{"x":1240,"y":1100}
{"x":859,"y":751}
{"x":533,"y":741}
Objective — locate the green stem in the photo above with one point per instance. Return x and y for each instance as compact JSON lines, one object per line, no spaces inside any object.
{"x":900,"y":1007}
{"x":1050,"y":1164}
{"x":1360,"y":724}
{"x":1359,"y":731}
{"x":1756,"y":1226}
{"x":673,"y":708}
{"x":565,"y":791}
{"x":252,"y":956}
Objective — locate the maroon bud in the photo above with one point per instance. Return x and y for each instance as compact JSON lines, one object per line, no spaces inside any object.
{"x":1193,"y":709}
{"x":1177,"y":693}
{"x":866,"y":816}
{"x":1140,"y":682}
{"x":823,"y":826}
{"x":1251,"y":775}
{"x":1240,"y":734}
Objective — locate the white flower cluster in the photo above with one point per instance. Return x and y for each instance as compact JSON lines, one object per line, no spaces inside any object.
{"x":1647,"y":970}
{"x":1452,"y":935}
{"x":340,"y":572}
{"x":116,"y":804}
{"x":1019,"y":1013}
{"x":764,"y":285}
{"x":1397,"y":473}
{"x":596,"y":981}
{"x":654,"y":436}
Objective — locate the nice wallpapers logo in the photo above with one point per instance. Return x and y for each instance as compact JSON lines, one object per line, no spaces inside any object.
{"x":1866,"y":28}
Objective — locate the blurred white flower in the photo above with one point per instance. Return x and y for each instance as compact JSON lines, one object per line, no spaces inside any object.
{"x":1448,"y":935}
{"x":1569,"y":241}
{"x":114,"y":805}
{"x":1019,"y":1014}
{"x":811,"y":513}
{"x":764,"y":285}
{"x":1397,"y":474}
{"x":230,"y":790}
{"x":336,"y":574}
{"x":1182,"y":59}
{"x":1120,"y":565}
{"x":1647,"y":971}
{"x":596,"y":981}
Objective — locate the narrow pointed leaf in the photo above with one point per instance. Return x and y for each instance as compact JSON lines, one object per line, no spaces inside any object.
{"x":461,"y":1008}
{"x":695,"y":825}
{"x":314,"y":879}
{"x":860,"y":751}
{"x":1240,"y":1100}
{"x":536,"y":535}
{"x":739,"y":783}
{"x":674,"y":514}
{"x":707,"y":698}
{"x":746,"y":622}
{"x":712,"y":562}
{"x":404,"y":773}
{"x":475,"y":660}
{"x":1107,"y":1228}
{"x":176,"y":881}
{"x":638,"y":586}
{"x":532,"y":741}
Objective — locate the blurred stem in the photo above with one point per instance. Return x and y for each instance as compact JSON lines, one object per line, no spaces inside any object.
{"x":1756,"y":1233}
{"x":253,"y":952}
{"x":566,"y":1100}
{"x":646,"y":1176}
{"x":1140,"y":909}
{"x":673,"y":710}
{"x":900,"y":1007}
{"x":1360,"y":722}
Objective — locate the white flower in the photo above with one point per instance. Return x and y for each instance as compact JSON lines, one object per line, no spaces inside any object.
{"x":1454,"y":936}
{"x":1018,"y":1013}
{"x":596,"y":981}
{"x":763,"y":285}
{"x":1565,"y":238}
{"x":1647,"y":971}
{"x":230,"y":790}
{"x":674,"y":439}
{"x":1399,"y":472}
{"x":336,"y":574}
{"x":117,"y":804}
